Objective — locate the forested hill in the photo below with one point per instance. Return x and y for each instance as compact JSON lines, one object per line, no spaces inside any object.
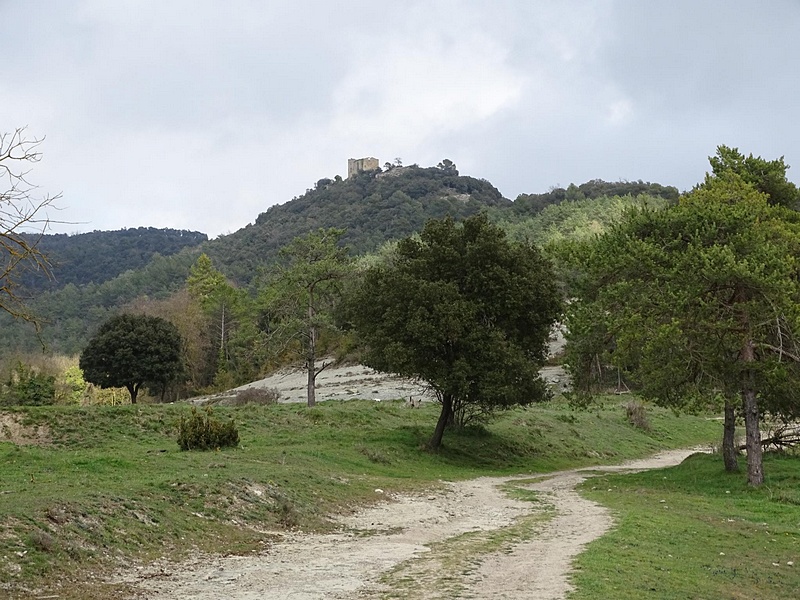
{"x":98,"y":273}
{"x":531,"y":204}
{"x":373,"y":207}
{"x":100,"y":256}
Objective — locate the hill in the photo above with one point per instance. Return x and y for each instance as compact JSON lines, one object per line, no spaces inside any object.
{"x":100,"y":256}
{"x":98,"y":273}
{"x":373,"y":207}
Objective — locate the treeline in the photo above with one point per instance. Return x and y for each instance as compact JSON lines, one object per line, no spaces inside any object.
{"x":69,"y":316}
{"x":530,"y":204}
{"x":99,"y":256}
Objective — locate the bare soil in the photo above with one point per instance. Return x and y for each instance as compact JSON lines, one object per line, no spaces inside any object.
{"x":381,"y":551}
{"x":335,"y":383}
{"x":13,"y":430}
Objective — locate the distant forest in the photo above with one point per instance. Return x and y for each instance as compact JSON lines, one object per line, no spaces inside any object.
{"x":95,"y":275}
{"x":99,"y":256}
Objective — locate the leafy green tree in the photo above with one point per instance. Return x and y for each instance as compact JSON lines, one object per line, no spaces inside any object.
{"x":222,"y":303}
{"x":463,"y":309}
{"x":301,"y":297}
{"x":448,"y":166}
{"x":768,"y":176}
{"x":131,"y":351}
{"x":699,"y":300}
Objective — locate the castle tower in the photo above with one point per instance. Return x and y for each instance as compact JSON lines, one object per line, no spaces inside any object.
{"x":359,"y":165}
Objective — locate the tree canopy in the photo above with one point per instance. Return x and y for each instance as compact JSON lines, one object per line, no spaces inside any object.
{"x":767,"y":176}
{"x":100,"y":256}
{"x":701,"y":299}
{"x":463,"y":309}
{"x":131,"y":351}
{"x":300,"y":298}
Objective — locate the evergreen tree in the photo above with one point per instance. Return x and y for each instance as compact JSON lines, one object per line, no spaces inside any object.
{"x":464,"y":309}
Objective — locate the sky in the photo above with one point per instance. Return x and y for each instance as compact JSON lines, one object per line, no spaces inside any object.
{"x":200,"y":114}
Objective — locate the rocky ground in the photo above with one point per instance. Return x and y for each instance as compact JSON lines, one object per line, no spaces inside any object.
{"x":399,"y":548}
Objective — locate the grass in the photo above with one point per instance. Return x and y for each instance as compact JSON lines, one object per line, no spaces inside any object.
{"x":696,"y":532}
{"x":112,"y":488}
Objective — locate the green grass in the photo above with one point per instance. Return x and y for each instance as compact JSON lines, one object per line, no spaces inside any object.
{"x":696,"y":532}
{"x":112,"y":487}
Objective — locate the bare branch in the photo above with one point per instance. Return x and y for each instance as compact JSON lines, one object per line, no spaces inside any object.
{"x":23,"y":220}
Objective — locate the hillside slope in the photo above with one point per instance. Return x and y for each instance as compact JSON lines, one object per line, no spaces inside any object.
{"x":373,"y":207}
{"x":100,"y":256}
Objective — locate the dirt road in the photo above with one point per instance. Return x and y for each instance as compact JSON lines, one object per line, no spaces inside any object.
{"x":469,"y":540}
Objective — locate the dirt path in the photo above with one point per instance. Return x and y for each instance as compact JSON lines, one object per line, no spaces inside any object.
{"x":403,"y":548}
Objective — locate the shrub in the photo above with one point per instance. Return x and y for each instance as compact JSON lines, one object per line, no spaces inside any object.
{"x":637,"y":415}
{"x":28,"y":386}
{"x":201,"y":431}
{"x":255,"y":396}
{"x":42,"y":541}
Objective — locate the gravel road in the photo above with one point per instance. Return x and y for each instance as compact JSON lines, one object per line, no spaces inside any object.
{"x":385,"y":550}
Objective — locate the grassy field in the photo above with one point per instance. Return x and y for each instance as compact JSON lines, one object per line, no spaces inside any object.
{"x":108,"y":486}
{"x":694,"y":532}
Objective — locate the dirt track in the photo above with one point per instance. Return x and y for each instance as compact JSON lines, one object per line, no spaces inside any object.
{"x":400,"y":548}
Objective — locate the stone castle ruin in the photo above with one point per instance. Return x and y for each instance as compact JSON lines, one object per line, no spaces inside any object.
{"x":359,"y":165}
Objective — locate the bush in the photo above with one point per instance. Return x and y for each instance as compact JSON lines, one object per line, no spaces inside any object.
{"x":637,"y":415}
{"x":204,"y":432}
{"x":27,"y":386}
{"x":255,"y":396}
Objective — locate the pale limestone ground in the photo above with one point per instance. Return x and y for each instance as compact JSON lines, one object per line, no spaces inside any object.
{"x":349,"y":564}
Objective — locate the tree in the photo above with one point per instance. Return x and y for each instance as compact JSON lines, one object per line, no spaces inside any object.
{"x":448,"y":166}
{"x":20,"y":216}
{"x":699,"y":300}
{"x":463,"y":309}
{"x":131,"y":351}
{"x":221,"y":302}
{"x":768,"y":176}
{"x":199,"y":347}
{"x":300,"y":299}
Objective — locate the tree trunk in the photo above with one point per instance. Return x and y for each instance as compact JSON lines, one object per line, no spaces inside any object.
{"x":755,"y":467}
{"x":444,"y":418}
{"x":311,"y":355}
{"x":133,"y":389}
{"x":730,"y":454}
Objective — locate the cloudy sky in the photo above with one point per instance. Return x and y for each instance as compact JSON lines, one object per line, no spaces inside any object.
{"x":200,"y":114}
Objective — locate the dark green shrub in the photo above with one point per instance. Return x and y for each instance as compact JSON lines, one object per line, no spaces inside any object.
{"x":201,"y":431}
{"x":28,"y":387}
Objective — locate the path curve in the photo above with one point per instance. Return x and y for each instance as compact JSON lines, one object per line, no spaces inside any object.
{"x":349,"y":564}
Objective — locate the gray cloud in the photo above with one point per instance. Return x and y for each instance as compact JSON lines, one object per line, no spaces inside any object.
{"x":200,"y":115}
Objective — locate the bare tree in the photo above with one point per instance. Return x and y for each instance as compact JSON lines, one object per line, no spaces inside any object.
{"x":23,"y":219}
